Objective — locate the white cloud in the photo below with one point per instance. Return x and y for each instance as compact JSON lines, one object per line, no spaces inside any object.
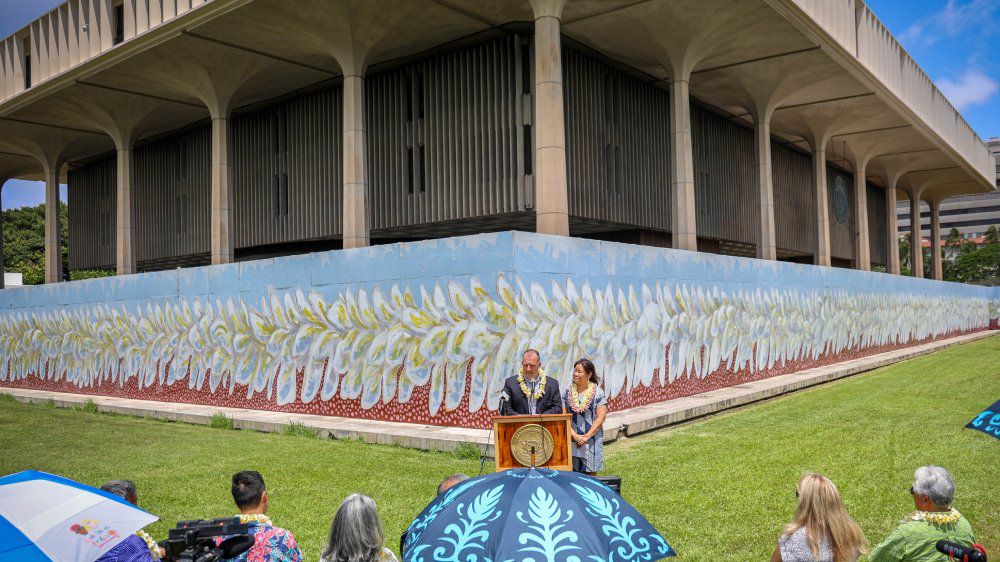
{"x":953,"y":20}
{"x":971,"y":88}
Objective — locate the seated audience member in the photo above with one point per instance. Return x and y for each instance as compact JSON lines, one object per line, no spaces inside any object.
{"x":916,"y":537}
{"x":451,"y":481}
{"x":356,"y":533}
{"x":443,"y":487}
{"x":271,"y":544}
{"x":139,"y":547}
{"x":821,"y":530}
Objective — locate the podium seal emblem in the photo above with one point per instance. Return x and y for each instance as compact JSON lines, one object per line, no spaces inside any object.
{"x":528,"y":437}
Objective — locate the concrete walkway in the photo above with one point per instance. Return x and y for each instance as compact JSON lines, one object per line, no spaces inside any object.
{"x":626,"y":423}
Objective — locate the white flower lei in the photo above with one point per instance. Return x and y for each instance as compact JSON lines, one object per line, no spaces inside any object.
{"x":258,"y":518}
{"x":154,"y":549}
{"x":937,"y":517}
{"x":539,"y":391}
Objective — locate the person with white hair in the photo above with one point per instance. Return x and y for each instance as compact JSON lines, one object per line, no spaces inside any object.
{"x":916,"y":537}
{"x":356,"y":533}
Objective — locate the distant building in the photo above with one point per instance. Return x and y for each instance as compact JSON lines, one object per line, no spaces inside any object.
{"x":972,"y":215}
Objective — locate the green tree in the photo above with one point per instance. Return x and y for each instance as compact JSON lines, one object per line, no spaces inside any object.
{"x":24,"y":241}
{"x":992,"y":235}
{"x":977,"y":265}
{"x":954,"y":237}
{"x":904,"y":252}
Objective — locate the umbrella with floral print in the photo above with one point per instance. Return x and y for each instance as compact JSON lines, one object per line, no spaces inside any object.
{"x":532,"y":515}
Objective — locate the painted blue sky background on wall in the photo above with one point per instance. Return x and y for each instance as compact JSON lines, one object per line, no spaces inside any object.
{"x":955,"y":41}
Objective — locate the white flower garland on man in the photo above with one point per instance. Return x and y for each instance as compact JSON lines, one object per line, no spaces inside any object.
{"x":937,"y":517}
{"x":539,"y":390}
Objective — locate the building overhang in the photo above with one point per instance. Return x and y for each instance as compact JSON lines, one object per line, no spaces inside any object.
{"x":821,"y":71}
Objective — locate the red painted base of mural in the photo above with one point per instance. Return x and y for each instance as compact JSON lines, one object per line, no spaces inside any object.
{"x":416,"y":409}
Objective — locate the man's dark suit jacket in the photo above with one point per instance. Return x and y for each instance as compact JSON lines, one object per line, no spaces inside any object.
{"x":549,"y":403}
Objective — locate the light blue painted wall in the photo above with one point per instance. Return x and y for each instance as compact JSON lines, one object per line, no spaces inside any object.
{"x":451,"y":317}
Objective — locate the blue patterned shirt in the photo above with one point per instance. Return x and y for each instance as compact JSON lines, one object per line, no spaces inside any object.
{"x":132,"y":549}
{"x":271,"y":544}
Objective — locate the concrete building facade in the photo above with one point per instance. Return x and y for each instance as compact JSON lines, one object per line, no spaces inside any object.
{"x":972,"y":215}
{"x":204,"y":132}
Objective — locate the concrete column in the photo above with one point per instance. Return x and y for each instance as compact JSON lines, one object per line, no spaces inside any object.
{"x":125,"y":214}
{"x":683,"y":215}
{"x":356,"y":233}
{"x":936,"y":272}
{"x":916,"y":250}
{"x":53,"y":243}
{"x":822,"y":206}
{"x":222,"y":194}
{"x":862,"y":247}
{"x":766,"y":235}
{"x":551,"y":184}
{"x":892,"y":227}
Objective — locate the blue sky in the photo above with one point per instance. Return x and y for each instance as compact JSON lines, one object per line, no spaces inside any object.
{"x":950,"y":39}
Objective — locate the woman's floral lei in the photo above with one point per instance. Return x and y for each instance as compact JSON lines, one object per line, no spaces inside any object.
{"x":937,"y":517}
{"x":154,"y":549}
{"x":539,"y":391}
{"x":580,"y":402}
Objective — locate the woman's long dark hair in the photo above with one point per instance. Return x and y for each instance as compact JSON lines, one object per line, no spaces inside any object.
{"x":588,"y":367}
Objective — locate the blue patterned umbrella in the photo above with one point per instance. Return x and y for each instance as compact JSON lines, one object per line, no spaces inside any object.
{"x":532,"y":515}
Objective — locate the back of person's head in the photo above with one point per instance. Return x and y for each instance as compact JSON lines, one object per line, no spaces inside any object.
{"x":936,"y":483}
{"x":451,"y":481}
{"x":248,"y":489}
{"x":822,"y":513}
{"x":356,"y":532}
{"x":124,"y":489}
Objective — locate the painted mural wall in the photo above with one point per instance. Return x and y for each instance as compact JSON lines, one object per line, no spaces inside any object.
{"x":427,"y":331}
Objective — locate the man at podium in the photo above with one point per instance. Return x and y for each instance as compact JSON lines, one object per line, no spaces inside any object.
{"x":530,"y":392}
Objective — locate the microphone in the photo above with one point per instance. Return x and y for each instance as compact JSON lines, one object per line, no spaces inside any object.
{"x":955,"y":551}
{"x":504,"y":398}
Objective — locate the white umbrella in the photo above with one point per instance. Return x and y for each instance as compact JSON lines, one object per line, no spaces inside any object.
{"x":50,"y":518}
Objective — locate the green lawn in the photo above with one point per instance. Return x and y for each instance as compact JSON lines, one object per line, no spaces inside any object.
{"x":718,"y":489}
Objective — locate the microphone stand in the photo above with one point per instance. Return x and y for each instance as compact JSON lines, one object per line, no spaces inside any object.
{"x":489,"y":439}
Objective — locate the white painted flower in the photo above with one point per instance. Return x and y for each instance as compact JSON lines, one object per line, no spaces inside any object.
{"x":377,"y":345}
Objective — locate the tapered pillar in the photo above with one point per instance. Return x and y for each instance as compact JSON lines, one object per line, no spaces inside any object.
{"x":916,"y":248}
{"x":53,"y":243}
{"x":356,"y":234}
{"x":766,"y":235}
{"x":125,"y":215}
{"x":892,"y":226}
{"x":822,"y":207}
{"x":683,"y":225}
{"x":551,"y":184}
{"x":222,"y":194}
{"x":936,"y":272}
{"x":862,"y":249}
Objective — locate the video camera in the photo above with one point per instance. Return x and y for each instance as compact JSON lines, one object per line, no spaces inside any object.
{"x":955,"y":551}
{"x":195,"y":540}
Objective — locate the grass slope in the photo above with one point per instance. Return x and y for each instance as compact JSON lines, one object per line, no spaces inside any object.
{"x":719,"y":489}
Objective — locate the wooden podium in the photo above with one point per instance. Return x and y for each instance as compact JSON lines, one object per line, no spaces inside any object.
{"x":533,"y":431}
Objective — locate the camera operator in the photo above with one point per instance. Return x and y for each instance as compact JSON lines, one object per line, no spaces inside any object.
{"x":271,"y":544}
{"x":916,"y":537}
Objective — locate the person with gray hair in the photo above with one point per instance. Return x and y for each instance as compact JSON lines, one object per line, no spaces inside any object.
{"x":451,"y":481}
{"x":137,"y":547}
{"x":916,"y":537}
{"x":356,"y":533}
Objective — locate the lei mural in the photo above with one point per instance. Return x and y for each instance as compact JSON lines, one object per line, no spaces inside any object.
{"x":439,"y":353}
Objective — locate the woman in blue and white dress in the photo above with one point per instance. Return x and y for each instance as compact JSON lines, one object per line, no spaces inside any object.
{"x":589,"y":406}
